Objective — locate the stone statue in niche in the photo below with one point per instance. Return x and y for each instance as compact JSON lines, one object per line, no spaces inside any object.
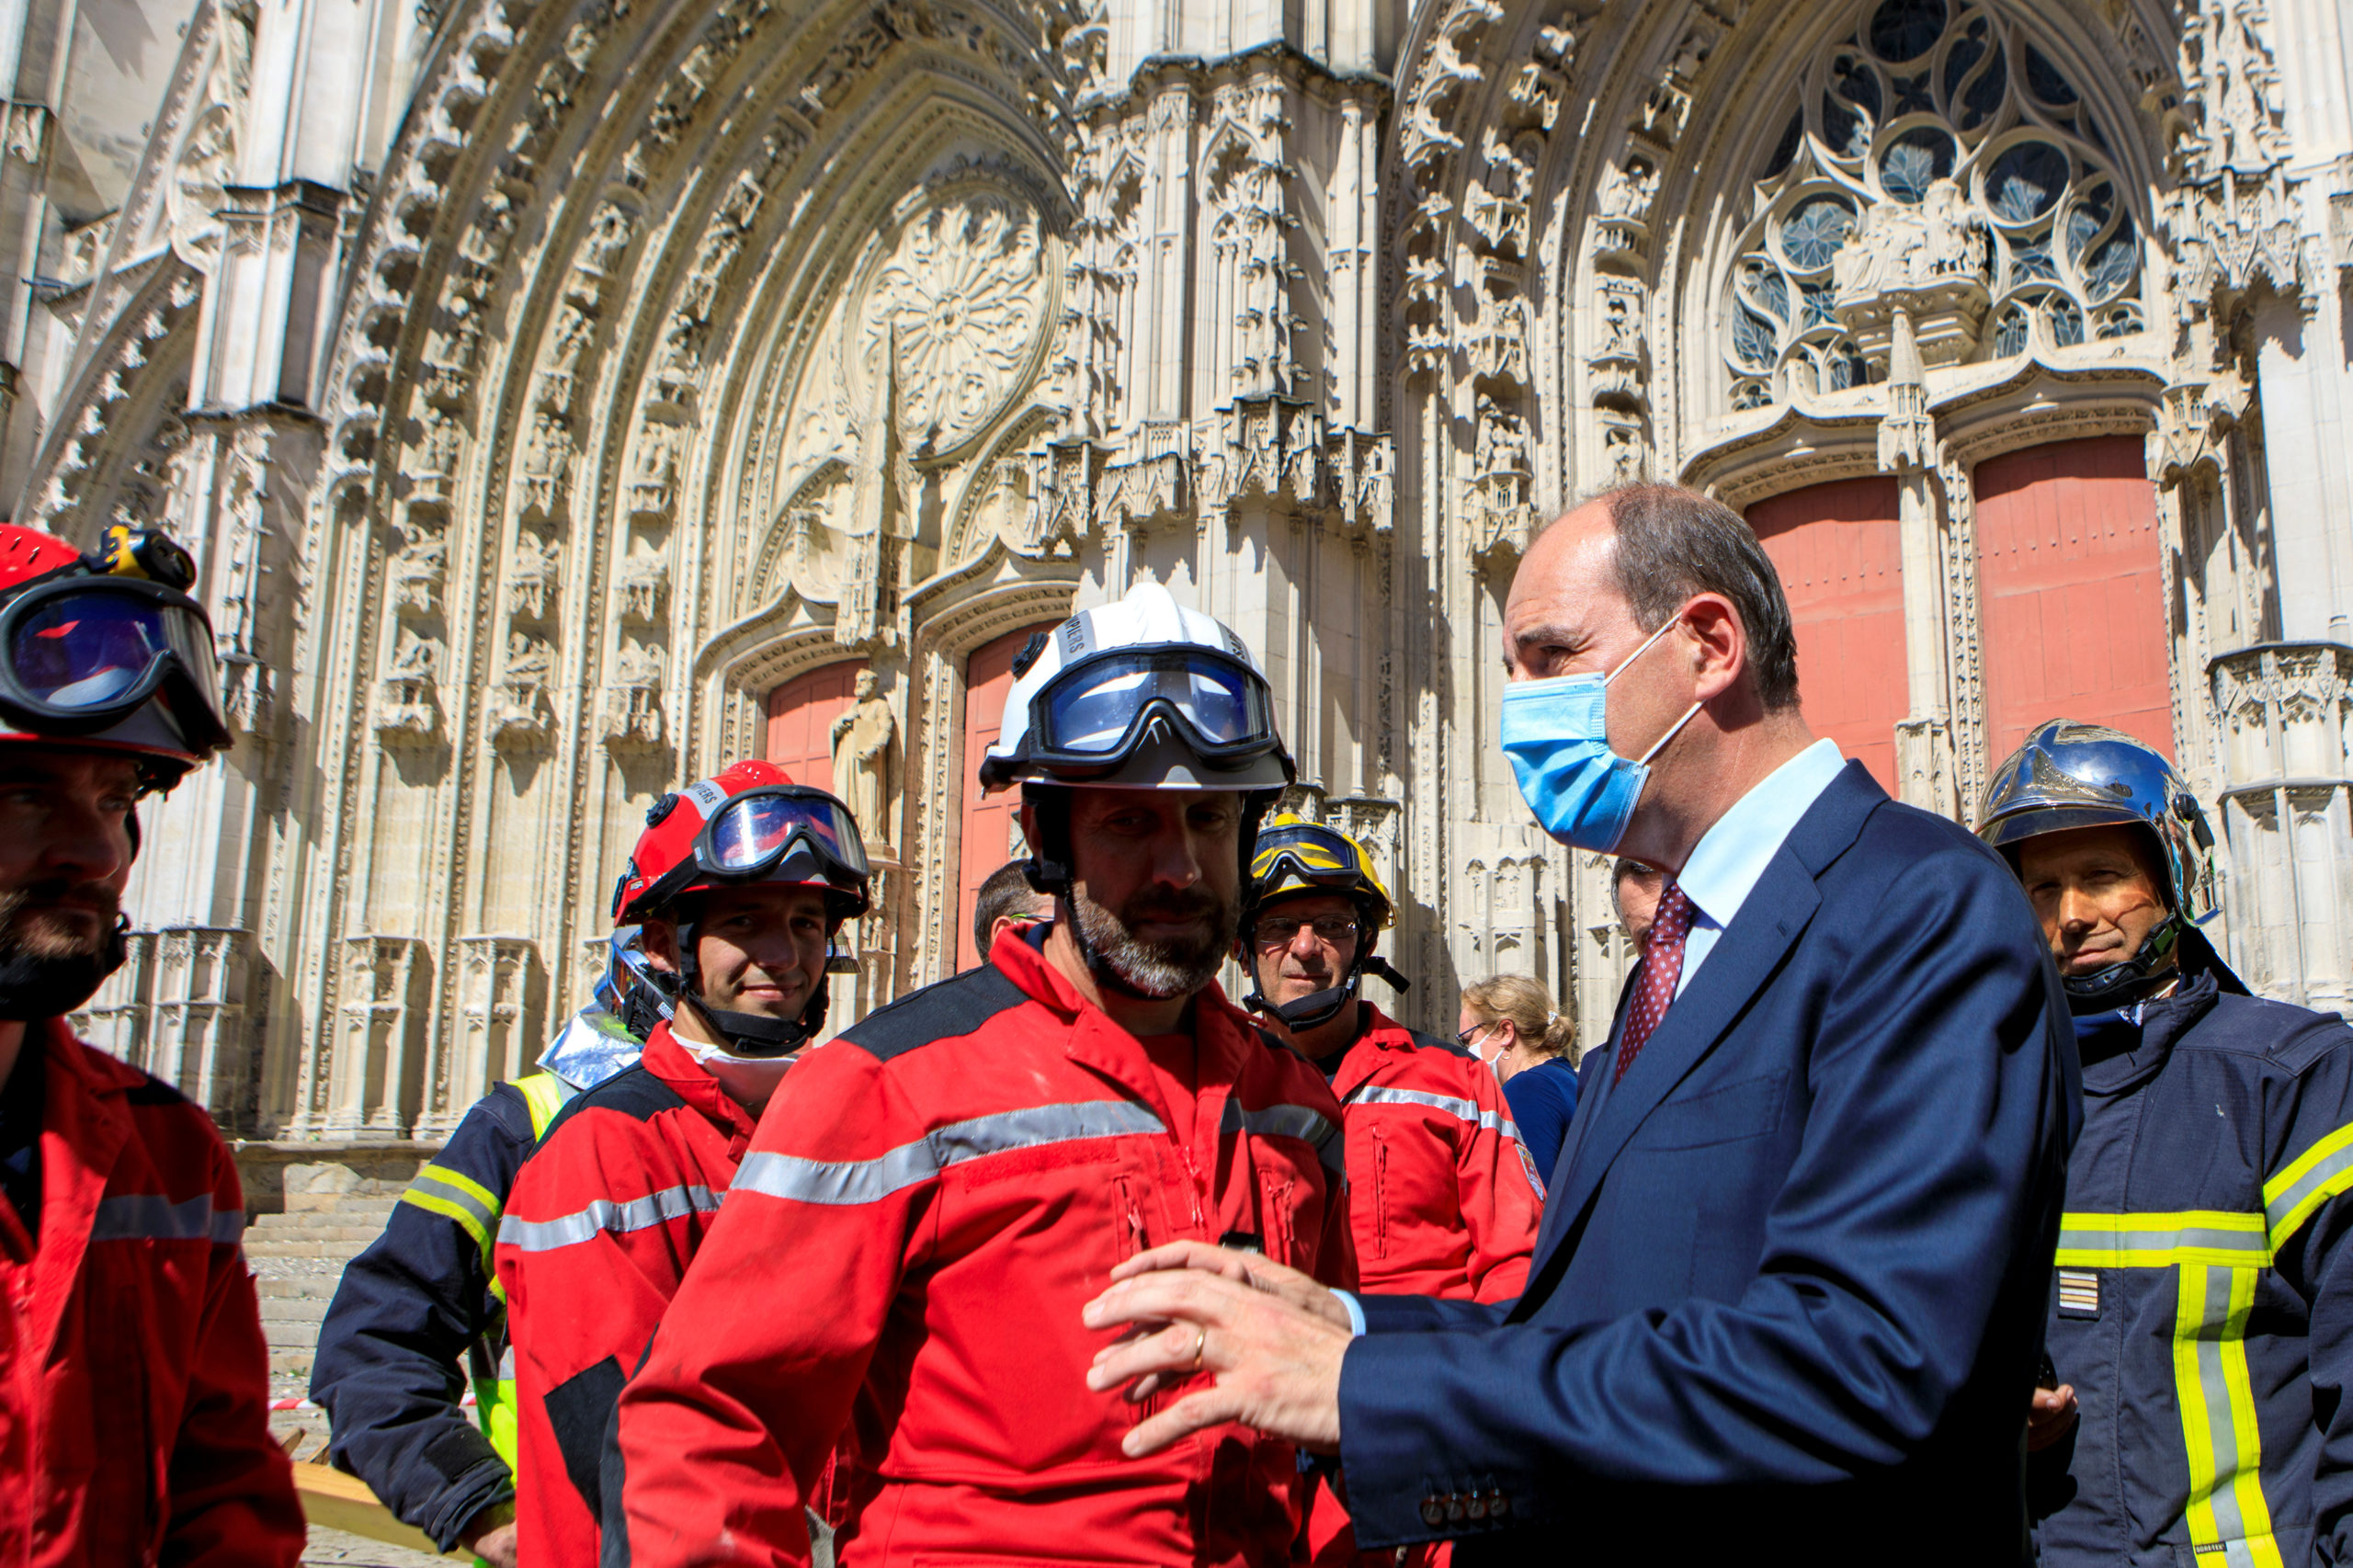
{"x":437,"y":453}
{"x":1627,"y":191}
{"x":1500,"y":350}
{"x":518,"y":711}
{"x":547,"y":462}
{"x":642,"y":580}
{"x":1622,"y":332}
{"x":532,"y":580}
{"x":633,"y":701}
{"x":1622,"y":452}
{"x":655,"y":483}
{"x":608,"y":235}
{"x":1503,"y":439}
{"x":418,"y":572}
{"x":862,"y":738}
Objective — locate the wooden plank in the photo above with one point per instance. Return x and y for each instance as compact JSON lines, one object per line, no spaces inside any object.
{"x":343,"y":1503}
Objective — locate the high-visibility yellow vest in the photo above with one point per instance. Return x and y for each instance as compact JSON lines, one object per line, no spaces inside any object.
{"x":494,"y":1400}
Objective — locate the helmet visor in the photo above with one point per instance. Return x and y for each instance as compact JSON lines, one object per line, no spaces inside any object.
{"x":95,"y":650}
{"x":755,"y":831}
{"x":81,"y":655}
{"x":1314,"y":854}
{"x":1094,"y":708}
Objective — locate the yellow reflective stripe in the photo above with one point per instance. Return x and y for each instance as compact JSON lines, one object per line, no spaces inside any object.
{"x":438,"y":1189}
{"x":434,"y":1203}
{"x":2156,"y":1241}
{"x":544,"y":1092}
{"x":2226,"y":1510}
{"x":2321,"y":1173}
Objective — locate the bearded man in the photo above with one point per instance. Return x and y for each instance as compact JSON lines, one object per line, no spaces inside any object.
{"x":932,"y":1196}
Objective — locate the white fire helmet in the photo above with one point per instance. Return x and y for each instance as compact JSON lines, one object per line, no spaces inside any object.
{"x":1139,"y":694}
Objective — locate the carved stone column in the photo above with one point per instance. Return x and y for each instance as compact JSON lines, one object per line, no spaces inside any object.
{"x":199,"y":1042}
{"x":118,"y":1019}
{"x":2285,"y":716}
{"x":376,"y":1061}
{"x":1907,"y":449}
{"x":500,"y":990}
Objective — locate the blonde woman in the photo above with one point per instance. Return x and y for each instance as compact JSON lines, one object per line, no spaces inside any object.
{"x":1507,"y":1021}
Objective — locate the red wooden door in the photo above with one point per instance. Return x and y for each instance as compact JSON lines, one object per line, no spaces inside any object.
{"x":988,"y":819}
{"x":1839,"y":550}
{"x":2067,"y":565}
{"x":800,"y":721}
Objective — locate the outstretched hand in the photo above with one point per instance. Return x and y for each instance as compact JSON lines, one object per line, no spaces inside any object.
{"x":1270,"y":1338}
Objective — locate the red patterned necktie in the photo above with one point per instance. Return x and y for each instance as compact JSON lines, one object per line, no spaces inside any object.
{"x":1662,"y":967}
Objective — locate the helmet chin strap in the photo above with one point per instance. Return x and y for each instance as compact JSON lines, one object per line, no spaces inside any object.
{"x":2149,"y":970}
{"x":746,"y":1034}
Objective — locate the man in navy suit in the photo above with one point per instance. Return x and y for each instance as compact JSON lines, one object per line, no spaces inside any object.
{"x":1790,"y":1289}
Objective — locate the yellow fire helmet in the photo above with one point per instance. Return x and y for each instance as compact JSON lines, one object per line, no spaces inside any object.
{"x":1295,"y":856}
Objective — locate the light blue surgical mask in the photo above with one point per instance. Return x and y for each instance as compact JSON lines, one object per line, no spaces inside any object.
{"x":1556,"y":733}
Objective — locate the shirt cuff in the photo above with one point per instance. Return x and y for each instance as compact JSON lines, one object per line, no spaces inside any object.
{"x":1355,"y":1310}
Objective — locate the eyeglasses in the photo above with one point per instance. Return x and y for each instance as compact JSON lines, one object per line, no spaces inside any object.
{"x":1281,"y":930}
{"x":1467,"y":1037}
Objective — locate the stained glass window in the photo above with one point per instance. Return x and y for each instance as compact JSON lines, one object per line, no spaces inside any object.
{"x":1814,"y":233}
{"x":1925,"y":91}
{"x":1902,"y":30}
{"x":1917,"y":160}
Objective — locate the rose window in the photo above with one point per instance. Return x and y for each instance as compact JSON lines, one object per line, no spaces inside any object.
{"x":1927,"y":91}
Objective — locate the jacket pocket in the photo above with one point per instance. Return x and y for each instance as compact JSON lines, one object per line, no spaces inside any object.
{"x":1380,"y":1194}
{"x":1749,"y":1108}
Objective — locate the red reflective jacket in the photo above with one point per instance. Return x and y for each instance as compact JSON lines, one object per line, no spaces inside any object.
{"x":134,"y":1384}
{"x":930,"y":1201}
{"x":1442,"y":1199}
{"x":599,"y":1229}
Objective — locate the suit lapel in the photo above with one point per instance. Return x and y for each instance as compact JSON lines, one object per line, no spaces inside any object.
{"x":1769,"y":923}
{"x":1593,"y":1088}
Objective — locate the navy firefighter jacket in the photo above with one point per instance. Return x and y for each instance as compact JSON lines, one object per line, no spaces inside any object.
{"x":2203,"y":1297}
{"x":416,"y":1308}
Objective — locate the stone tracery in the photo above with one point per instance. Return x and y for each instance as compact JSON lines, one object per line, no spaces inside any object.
{"x":1944,"y":130}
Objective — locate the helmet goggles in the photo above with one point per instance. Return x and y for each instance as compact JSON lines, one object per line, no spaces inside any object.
{"x":1299,"y":857}
{"x":1094,"y":713}
{"x":79,"y":655}
{"x":754,"y":833}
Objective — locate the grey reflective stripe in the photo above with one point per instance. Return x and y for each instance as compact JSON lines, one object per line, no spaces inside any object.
{"x":430,"y":1180}
{"x":870,"y":1181}
{"x":151,"y":1217}
{"x":1462,"y":1110}
{"x":2329,"y":1173}
{"x":2213,"y":1335}
{"x":637,"y":1214}
{"x":506,"y":1364}
{"x":2159,"y":1244}
{"x":1287,"y":1121}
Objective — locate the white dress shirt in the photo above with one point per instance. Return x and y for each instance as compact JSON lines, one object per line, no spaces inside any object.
{"x":1730,"y":857}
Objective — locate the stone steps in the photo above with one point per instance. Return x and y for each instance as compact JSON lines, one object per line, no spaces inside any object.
{"x":298,"y":1255}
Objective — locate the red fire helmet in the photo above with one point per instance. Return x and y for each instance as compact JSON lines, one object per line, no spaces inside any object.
{"x":749,"y":824}
{"x":106,"y":650}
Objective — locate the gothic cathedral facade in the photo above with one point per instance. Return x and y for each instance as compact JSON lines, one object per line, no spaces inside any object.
{"x":566,"y":396}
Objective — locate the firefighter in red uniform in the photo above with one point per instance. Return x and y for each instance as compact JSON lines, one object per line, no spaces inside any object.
{"x":134,"y":1384}
{"x":1442,"y":1199}
{"x":908,"y":1243}
{"x":741,"y":881}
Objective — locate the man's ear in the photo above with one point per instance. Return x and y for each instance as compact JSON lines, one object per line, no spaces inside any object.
{"x":1721,"y":654}
{"x":660,"y":939}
